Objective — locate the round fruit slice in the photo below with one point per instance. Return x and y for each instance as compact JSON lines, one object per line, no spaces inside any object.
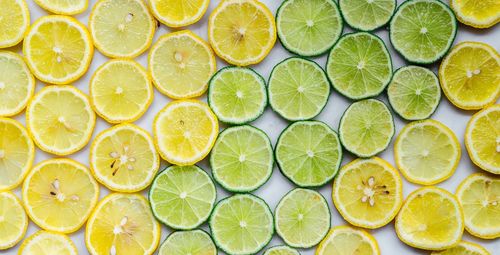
{"x":281,"y":250}
{"x":181,"y":64}
{"x":120,"y":91}
{"x":122,"y":224}
{"x":58,"y":49}
{"x":367,"y":15}
{"x":309,"y":153}
{"x":242,"y":32}
{"x":298,"y":89}
{"x":64,"y":7}
{"x":13,"y":220}
{"x":422,"y":31}
{"x":430,"y":219}
{"x":359,"y":66}
{"x":427,"y":152}
{"x":237,"y":95}
{"x":464,"y":248}
{"x":470,"y":75}
{"x":60,"y":119}
{"x":124,"y":158}
{"x":242,"y":159}
{"x":182,"y":197}
{"x":344,"y":240}
{"x":45,"y":242}
{"x":185,"y":131}
{"x":121,"y":28}
{"x":14,"y":21}
{"x":366,"y":128}
{"x":17,"y":153}
{"x":188,"y":242}
{"x":478,"y":14}
{"x":242,"y":224}
{"x":308,"y":27}
{"x":479,"y":196}
{"x":368,"y":192}
{"x":179,"y":13}
{"x":414,"y":92}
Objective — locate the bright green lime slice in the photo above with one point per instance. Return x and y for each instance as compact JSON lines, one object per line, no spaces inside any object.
{"x":309,"y":153}
{"x":298,"y":89}
{"x":182,"y":197}
{"x":414,"y":92}
{"x":195,"y":242}
{"x":242,"y":159}
{"x":422,"y":31}
{"x":281,"y":250}
{"x":359,"y":66}
{"x":367,"y":15}
{"x":302,"y":218}
{"x":242,"y":224}
{"x":308,"y":27}
{"x":366,"y":128}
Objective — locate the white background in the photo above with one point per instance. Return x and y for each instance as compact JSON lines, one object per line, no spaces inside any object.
{"x":272,"y":124}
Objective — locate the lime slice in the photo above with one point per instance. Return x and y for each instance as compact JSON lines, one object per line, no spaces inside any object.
{"x":196,"y":242}
{"x":422,"y":31}
{"x":281,"y":250}
{"x":242,"y":224}
{"x":359,"y":66}
{"x":367,"y":15}
{"x":308,"y":27}
{"x":298,"y":89}
{"x":182,"y":197}
{"x":302,"y":218}
{"x":242,"y":159}
{"x":366,"y":128}
{"x":414,"y":92}
{"x":237,"y":95}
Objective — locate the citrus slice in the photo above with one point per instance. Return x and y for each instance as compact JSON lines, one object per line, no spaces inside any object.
{"x":431,"y":219}
{"x":241,"y":224}
{"x":367,"y":15}
{"x":479,"y":196}
{"x":368,"y":192}
{"x":17,"y":153}
{"x":124,"y":158}
{"x":179,"y":13}
{"x":359,"y":66}
{"x":427,"y":152}
{"x":14,"y":21}
{"x":237,"y":95}
{"x":121,"y":28}
{"x":470,"y":75}
{"x":58,"y":49}
{"x":281,"y":250}
{"x":122,"y":224}
{"x":64,"y":7}
{"x":308,"y":153}
{"x":182,"y":197}
{"x":60,"y":119}
{"x":344,"y":240}
{"x":242,"y":32}
{"x":308,"y":27}
{"x":13,"y":220}
{"x":464,"y":248}
{"x":185,"y":131}
{"x":298,"y":89}
{"x":181,"y":64}
{"x":302,"y":218}
{"x":422,"y":31}
{"x":478,"y":14}
{"x":120,"y":91}
{"x":188,"y":242}
{"x":45,"y":242}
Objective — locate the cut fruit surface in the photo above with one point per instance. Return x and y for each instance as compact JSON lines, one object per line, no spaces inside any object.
{"x":464,"y":248}
{"x":196,"y":242}
{"x":478,"y":14}
{"x":344,"y":240}
{"x":64,"y":7}
{"x":45,"y":242}
{"x":367,"y":15}
{"x":14,"y":21}
{"x":13,"y":223}
{"x":281,"y":250}
{"x":179,"y":13}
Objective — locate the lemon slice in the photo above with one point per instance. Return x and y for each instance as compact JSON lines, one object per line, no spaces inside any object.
{"x":121,"y":28}
{"x":185,"y":131}
{"x":45,"y":242}
{"x":464,"y":248}
{"x":482,"y":139}
{"x":181,"y":64}
{"x":242,"y":32}
{"x":14,"y":21}
{"x":470,"y":75}
{"x":120,"y":91}
{"x":124,"y":158}
{"x":430,"y":219}
{"x":479,"y":196}
{"x":344,"y":240}
{"x":58,"y":49}
{"x":17,"y":84}
{"x":179,"y":13}
{"x":17,"y":153}
{"x":59,"y":195}
{"x":13,"y":220}
{"x":478,"y":14}
{"x":60,"y":119}
{"x":64,"y":7}
{"x":122,"y":224}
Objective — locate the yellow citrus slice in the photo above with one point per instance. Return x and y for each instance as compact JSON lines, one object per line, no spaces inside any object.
{"x":14,"y":21}
{"x":464,"y":248}
{"x":45,"y":242}
{"x":58,"y":49}
{"x":179,"y":13}
{"x":242,"y":32}
{"x":185,"y":131}
{"x":181,"y":64}
{"x":13,"y":220}
{"x":478,"y":14}
{"x":431,"y":219}
{"x":470,"y":75}
{"x":120,"y":91}
{"x":344,"y":240}
{"x":122,"y":224}
{"x":64,"y":7}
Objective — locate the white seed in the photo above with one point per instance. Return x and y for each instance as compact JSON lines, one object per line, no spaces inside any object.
{"x":112,"y":251}
{"x":114,"y":154}
{"x":55,"y":184}
{"x":371,"y":181}
{"x":130,"y":167}
{"x":124,"y":221}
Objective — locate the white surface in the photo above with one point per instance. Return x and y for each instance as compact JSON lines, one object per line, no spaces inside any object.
{"x":272,"y":124}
